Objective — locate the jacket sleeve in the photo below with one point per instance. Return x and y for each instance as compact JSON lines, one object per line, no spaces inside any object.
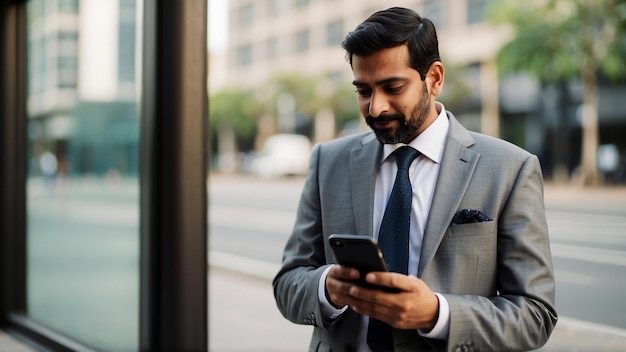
{"x":304,"y":261}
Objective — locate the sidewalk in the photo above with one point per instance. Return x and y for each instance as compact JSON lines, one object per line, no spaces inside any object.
{"x":567,"y":196}
{"x":10,"y":344}
{"x":244,"y":317}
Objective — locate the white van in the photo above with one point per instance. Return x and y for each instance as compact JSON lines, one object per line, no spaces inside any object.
{"x":283,"y":155}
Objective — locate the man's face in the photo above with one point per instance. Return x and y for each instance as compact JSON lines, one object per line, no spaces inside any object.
{"x":391,"y":95}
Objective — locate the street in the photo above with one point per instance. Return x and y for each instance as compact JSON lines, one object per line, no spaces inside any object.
{"x":250,"y":220}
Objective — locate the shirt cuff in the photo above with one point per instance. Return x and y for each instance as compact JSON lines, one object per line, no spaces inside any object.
{"x":442,"y":327}
{"x":327,"y":308}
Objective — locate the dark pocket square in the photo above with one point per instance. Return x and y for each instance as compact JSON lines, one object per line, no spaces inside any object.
{"x":467,"y":216}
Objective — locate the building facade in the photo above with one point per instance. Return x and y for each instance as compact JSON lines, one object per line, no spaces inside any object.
{"x":267,"y":37}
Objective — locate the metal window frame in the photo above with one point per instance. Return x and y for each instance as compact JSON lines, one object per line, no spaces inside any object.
{"x":173,"y":230}
{"x":174,"y":309}
{"x":12,"y":159}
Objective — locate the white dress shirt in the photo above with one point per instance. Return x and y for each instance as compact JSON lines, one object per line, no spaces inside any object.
{"x":423,"y":174}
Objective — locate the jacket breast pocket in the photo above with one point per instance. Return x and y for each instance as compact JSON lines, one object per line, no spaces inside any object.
{"x":469,"y":255}
{"x":472,"y":229}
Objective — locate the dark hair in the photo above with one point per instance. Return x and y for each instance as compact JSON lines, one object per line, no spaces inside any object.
{"x":393,"y":27}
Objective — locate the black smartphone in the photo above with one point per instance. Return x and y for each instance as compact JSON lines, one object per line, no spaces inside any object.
{"x":360,"y":252}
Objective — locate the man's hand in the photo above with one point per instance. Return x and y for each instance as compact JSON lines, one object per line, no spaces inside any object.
{"x":414,"y":307}
{"x":338,"y":283}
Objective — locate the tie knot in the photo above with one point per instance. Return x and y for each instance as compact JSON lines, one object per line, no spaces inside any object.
{"x":405,"y":156}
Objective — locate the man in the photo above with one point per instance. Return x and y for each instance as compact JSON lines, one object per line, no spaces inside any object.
{"x":479,"y":273}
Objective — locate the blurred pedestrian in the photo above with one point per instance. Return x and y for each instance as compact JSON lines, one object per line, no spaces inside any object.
{"x":48,"y":165}
{"x":473,"y":270}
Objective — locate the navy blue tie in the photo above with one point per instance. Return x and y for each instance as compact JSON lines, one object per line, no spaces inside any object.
{"x":393,"y":239}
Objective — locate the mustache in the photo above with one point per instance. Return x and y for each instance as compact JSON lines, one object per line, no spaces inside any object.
{"x":385,"y":118}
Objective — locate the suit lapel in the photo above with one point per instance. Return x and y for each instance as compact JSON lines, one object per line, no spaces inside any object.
{"x":457,"y":166}
{"x":364,"y":165}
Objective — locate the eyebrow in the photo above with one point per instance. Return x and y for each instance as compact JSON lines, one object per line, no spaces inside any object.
{"x":381,"y":82}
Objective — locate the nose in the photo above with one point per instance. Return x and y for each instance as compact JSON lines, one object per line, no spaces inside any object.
{"x":378,"y":105}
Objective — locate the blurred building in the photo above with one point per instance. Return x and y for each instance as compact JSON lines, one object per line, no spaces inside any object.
{"x":270,"y":36}
{"x":304,"y":36}
{"x":82,"y":88}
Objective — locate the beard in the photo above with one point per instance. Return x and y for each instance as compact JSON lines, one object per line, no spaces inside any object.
{"x":408,"y":127}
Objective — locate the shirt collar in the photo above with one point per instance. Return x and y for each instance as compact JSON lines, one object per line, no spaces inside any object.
{"x":430,"y":142}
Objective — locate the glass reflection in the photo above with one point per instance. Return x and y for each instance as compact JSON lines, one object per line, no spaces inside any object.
{"x":83,"y":187}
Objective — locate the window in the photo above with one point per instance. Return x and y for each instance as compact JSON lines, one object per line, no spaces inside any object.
{"x":477,"y":11}
{"x":127,"y":46}
{"x":243,"y":55}
{"x":82,"y":188}
{"x":334,"y":33}
{"x":67,"y":68}
{"x":78,"y":269}
{"x":68,"y":6}
{"x":246,"y":14}
{"x":272,"y":48}
{"x":302,"y":3}
{"x":302,"y":41}
{"x":276,"y":7}
{"x":433,"y":10}
{"x":67,"y":72}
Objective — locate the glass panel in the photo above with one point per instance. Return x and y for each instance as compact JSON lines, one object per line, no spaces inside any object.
{"x":83,"y":155}
{"x":477,"y":11}
{"x":244,"y":55}
{"x":302,"y":40}
{"x":334,"y":33}
{"x":433,"y":10}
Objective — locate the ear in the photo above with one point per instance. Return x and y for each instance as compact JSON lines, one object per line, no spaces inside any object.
{"x":435,"y":77}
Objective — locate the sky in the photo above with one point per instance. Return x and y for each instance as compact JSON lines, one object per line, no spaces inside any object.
{"x":218,"y":25}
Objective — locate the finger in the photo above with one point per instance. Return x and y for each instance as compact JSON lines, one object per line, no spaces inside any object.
{"x":343,"y":272}
{"x":371,"y":299}
{"x":377,"y":301}
{"x":337,"y":286}
{"x":363,"y":301}
{"x":337,"y":290}
{"x":394,"y":280}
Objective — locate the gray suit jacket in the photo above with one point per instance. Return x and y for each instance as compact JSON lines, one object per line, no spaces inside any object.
{"x":497,"y":275}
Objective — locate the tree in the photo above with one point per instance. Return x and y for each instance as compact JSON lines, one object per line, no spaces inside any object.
{"x":311,"y":95}
{"x":232,"y":117}
{"x":241,"y":119}
{"x":340,"y":98}
{"x":558,"y":40}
